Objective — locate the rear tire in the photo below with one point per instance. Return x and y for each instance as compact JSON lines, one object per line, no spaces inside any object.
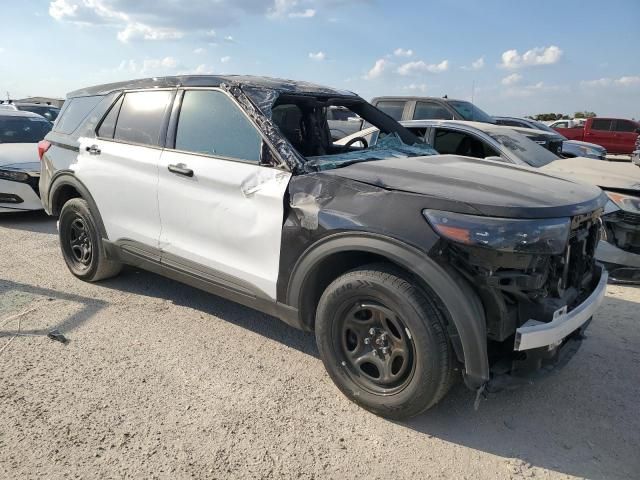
{"x":81,"y":243}
{"x":378,"y":308}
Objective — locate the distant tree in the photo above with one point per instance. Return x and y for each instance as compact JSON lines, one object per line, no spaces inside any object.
{"x":546,"y":117}
{"x":584,"y":114}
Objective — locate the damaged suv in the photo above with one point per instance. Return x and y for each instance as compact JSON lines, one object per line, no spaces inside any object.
{"x":409,"y":266}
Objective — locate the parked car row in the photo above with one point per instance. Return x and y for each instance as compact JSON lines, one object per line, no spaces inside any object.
{"x":414,"y":250}
{"x":568,"y":148}
{"x":49,"y":112}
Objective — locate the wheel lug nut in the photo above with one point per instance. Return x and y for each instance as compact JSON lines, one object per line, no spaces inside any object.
{"x":375,"y":353}
{"x":385,"y":350}
{"x":372,"y":331}
{"x":367,"y":341}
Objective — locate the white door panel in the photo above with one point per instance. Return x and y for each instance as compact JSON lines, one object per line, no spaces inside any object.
{"x":227,"y":217}
{"x":123,"y":180}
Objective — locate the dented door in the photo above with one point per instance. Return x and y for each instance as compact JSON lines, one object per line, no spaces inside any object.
{"x":221,"y":212}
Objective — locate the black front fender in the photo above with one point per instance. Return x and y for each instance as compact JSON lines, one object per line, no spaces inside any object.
{"x":463,"y":305}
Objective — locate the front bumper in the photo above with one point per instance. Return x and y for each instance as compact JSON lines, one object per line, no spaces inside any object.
{"x":623,"y":266}
{"x":27,"y":197}
{"x":536,"y":334}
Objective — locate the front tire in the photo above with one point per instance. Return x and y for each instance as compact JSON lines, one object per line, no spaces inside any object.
{"x":81,"y":243}
{"x":383,"y":341}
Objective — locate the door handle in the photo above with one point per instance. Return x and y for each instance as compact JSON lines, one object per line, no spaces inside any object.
{"x":181,"y":169}
{"x":93,"y":150}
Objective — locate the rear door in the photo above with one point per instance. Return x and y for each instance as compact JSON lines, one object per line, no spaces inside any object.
{"x":221,"y":209}
{"x":625,"y":135}
{"x":120,"y":165}
{"x":599,"y":131}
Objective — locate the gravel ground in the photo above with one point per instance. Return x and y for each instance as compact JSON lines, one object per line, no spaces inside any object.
{"x":160,"y":380}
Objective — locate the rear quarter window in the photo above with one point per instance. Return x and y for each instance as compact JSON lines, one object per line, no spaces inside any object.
{"x":625,"y":126}
{"x":74,"y":111}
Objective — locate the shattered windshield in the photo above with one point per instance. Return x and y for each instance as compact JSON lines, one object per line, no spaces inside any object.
{"x":327,"y":142}
{"x":387,"y":146}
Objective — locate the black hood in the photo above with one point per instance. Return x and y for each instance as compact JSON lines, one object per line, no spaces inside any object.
{"x":482,"y":187}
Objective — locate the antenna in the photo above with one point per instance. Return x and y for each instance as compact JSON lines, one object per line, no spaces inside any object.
{"x":473,"y":105}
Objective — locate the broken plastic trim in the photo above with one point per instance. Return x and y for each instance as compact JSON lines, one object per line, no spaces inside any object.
{"x":288,"y":159}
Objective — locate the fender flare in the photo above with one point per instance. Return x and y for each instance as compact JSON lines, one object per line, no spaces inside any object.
{"x":459,"y":298}
{"x":67,"y":178}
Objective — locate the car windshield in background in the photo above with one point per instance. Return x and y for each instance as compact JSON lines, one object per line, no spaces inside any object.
{"x":23,"y":129}
{"x":470,"y":112}
{"x":522,"y":147}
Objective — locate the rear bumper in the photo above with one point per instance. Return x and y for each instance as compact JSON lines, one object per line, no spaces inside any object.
{"x":536,"y":334}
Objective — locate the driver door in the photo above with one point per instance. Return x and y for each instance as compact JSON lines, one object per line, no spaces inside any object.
{"x":221,"y":210}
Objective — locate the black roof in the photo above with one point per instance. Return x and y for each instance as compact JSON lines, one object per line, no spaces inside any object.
{"x":281,"y":85}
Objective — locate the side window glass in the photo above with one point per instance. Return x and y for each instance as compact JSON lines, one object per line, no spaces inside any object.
{"x":108,"y":126}
{"x":211,"y":123}
{"x":74,"y":111}
{"x":601,"y":124}
{"x":447,"y":142}
{"x":625,"y":126}
{"x":141,"y":117}
{"x":459,"y":143}
{"x":431,"y":111}
{"x":392,"y":108}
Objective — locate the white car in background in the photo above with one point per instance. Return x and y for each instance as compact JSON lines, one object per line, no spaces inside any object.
{"x":20,"y":133}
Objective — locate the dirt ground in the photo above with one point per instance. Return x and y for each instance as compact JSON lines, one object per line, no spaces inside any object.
{"x":160,"y":380}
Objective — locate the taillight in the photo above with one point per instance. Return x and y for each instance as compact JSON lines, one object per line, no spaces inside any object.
{"x":43,"y":146}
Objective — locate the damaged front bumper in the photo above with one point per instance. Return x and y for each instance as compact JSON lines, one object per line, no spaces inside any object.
{"x":535,"y":334}
{"x":542,"y":348}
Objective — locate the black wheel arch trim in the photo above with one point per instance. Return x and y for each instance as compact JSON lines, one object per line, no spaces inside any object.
{"x":67,"y":178}
{"x":459,"y":298}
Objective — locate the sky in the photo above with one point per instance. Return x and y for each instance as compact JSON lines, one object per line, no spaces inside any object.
{"x":509,"y":57}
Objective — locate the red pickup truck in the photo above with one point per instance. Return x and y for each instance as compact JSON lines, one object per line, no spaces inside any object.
{"x":617,"y":135}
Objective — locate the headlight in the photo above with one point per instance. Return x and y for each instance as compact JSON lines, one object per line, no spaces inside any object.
{"x":13,"y":175}
{"x":628,"y":203}
{"x":544,"y":236}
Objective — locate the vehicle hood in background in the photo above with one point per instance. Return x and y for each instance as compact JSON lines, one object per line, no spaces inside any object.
{"x":19,"y":156}
{"x":607,"y":175}
{"x":470,"y":185}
